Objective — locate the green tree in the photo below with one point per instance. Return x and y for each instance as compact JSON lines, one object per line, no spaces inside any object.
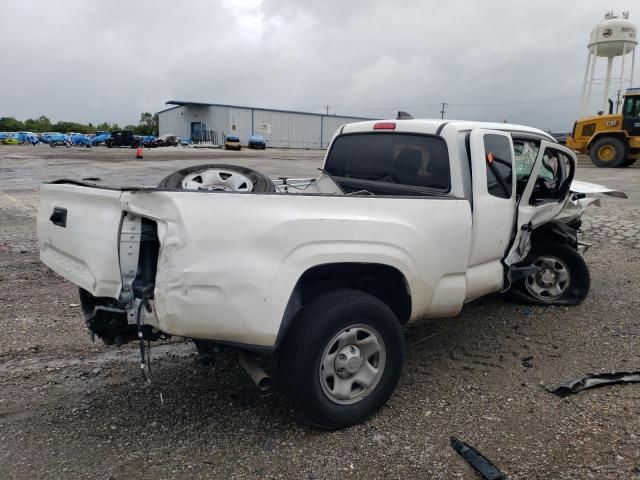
{"x":40,"y":124}
{"x":148,"y":124}
{"x":10,"y":124}
{"x":66,"y":127}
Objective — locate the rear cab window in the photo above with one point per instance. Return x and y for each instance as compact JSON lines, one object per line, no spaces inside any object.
{"x":390,"y":163}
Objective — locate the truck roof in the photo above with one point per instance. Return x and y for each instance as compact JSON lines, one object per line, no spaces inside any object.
{"x":435,"y":126}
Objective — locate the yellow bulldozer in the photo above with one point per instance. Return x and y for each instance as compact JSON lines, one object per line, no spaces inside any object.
{"x":611,"y":140}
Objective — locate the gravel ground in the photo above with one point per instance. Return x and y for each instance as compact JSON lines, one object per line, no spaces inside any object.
{"x":70,"y":408}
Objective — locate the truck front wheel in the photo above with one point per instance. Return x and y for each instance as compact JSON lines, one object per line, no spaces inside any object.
{"x":562,"y":277}
{"x":342,"y":358}
{"x":608,"y":152}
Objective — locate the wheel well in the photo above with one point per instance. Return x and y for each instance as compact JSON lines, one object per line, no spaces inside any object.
{"x":382,"y":281}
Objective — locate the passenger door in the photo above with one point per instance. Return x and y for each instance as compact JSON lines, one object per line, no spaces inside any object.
{"x":494,"y":209}
{"x":542,"y":193}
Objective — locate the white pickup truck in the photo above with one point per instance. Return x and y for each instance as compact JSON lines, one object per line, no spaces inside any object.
{"x":407,"y":220}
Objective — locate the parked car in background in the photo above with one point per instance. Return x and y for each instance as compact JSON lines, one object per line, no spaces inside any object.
{"x":256,"y":141}
{"x":10,"y":140}
{"x":166,"y":140}
{"x":232,"y":142}
{"x":100,"y":138}
{"x":79,"y":139}
{"x":561,"y":137}
{"x":46,"y":136}
{"x":149,"y":141}
{"x":58,"y":140}
{"x":123,"y":138}
{"x":25,"y":138}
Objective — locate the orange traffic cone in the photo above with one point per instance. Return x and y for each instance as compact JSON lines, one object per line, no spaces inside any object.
{"x":139,"y":152}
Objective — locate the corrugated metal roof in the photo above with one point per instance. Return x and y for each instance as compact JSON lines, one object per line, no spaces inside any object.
{"x":181,"y":103}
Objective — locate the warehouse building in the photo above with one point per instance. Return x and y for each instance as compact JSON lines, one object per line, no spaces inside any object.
{"x":210,"y":123}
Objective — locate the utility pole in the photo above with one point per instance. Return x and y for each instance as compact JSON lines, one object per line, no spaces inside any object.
{"x":327,"y":107}
{"x":444,"y":107}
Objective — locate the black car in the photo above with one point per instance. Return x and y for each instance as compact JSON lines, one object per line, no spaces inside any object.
{"x":123,"y":138}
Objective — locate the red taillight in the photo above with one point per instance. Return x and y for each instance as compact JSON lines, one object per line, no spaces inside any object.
{"x":384,"y":126}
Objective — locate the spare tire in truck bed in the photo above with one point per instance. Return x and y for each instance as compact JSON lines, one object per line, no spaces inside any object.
{"x":218,"y":177}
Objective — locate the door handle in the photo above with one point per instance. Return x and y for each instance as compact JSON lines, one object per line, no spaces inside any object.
{"x":59,"y":217}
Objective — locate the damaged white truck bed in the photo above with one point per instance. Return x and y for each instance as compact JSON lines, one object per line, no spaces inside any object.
{"x":408,"y":219}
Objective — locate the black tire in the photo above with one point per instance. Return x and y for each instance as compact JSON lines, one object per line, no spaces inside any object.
{"x":628,"y":162}
{"x":261,"y":183}
{"x":577,"y":285}
{"x":301,"y":355}
{"x":618,"y":149}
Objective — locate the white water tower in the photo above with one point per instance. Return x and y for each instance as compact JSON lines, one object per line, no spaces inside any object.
{"x":612,"y":37}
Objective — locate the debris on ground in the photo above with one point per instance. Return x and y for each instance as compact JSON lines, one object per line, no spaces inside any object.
{"x":479,"y":462}
{"x":595,"y":380}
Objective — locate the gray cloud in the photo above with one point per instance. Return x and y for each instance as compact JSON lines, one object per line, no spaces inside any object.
{"x":110,"y":60}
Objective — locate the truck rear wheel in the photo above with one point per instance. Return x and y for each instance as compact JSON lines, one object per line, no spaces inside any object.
{"x":563,"y":277}
{"x":608,"y":152}
{"x":342,"y":358}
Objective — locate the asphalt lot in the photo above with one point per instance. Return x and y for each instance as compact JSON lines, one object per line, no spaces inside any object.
{"x":70,"y":408}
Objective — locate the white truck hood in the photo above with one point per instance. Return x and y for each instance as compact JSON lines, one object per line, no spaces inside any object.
{"x":578,"y":186}
{"x":573,"y":208}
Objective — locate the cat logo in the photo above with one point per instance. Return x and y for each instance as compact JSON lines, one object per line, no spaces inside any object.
{"x":612,"y":123}
{"x":607,"y":32}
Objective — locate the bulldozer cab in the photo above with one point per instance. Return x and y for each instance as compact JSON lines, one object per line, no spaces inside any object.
{"x":631,"y":112}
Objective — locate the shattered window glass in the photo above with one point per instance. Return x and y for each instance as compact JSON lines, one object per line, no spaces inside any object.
{"x":526,"y":152}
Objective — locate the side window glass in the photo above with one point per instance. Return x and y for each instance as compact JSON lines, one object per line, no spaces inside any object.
{"x":551,"y":177}
{"x":632,"y":107}
{"x":499,"y":165}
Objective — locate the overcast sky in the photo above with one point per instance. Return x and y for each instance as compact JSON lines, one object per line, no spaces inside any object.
{"x":109,"y":60}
